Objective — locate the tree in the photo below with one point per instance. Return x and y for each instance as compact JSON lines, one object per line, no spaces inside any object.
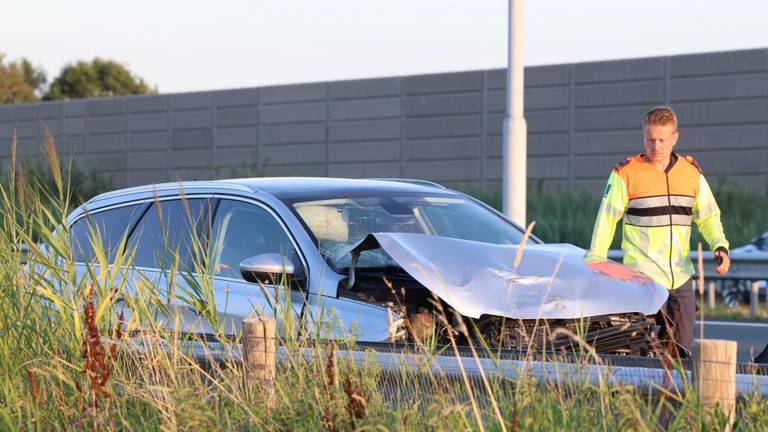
{"x":99,"y":78}
{"x":20,"y":81}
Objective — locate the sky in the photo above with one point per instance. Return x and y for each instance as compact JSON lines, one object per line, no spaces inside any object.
{"x":190,"y":45}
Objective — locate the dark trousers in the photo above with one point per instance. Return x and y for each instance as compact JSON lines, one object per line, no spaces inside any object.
{"x":678,"y":314}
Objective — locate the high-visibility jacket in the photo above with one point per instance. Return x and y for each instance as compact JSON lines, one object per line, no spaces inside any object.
{"x":658,"y":208}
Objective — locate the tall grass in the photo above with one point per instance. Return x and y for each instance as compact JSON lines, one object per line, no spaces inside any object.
{"x":105,"y":351}
{"x":568,"y":217}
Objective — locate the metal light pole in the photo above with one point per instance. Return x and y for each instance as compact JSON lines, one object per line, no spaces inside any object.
{"x":515,"y":150}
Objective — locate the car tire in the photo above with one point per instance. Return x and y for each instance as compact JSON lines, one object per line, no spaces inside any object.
{"x":735,"y":293}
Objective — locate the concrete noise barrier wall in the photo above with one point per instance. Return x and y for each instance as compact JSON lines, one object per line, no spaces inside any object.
{"x":582,"y":119}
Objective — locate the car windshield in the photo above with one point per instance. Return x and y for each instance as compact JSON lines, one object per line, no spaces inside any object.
{"x":341,"y":222}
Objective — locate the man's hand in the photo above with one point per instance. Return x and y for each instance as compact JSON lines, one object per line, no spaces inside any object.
{"x":725,"y":262}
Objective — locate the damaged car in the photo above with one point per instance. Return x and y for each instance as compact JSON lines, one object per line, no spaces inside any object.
{"x":377,"y":260}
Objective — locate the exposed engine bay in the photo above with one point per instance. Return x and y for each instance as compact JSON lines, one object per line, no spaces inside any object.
{"x":427,"y":317}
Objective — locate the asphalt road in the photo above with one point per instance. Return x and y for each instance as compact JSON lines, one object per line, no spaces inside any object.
{"x":752,"y":337}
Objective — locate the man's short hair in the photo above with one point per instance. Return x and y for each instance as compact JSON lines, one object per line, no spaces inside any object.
{"x":661,"y":115}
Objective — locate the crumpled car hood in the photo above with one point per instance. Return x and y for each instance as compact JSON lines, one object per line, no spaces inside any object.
{"x":551,"y":281}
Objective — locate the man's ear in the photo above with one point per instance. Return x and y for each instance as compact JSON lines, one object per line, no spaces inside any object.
{"x":674,"y":139}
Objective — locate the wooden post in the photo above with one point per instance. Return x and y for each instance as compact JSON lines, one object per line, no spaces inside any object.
{"x":714,"y":375}
{"x":259,"y":356}
{"x":711,"y":294}
{"x":753,"y":299}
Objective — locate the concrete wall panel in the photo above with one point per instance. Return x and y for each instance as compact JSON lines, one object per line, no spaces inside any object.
{"x":191,"y":119}
{"x":719,"y":87}
{"x":190,"y":101}
{"x":237,"y":116}
{"x":140,"y":104}
{"x":191,"y":138}
{"x":294,"y":154}
{"x":433,"y":105}
{"x":364,"y":170}
{"x":106,"y":143}
{"x":439,"y":127}
{"x":723,"y":112}
{"x":365,"y":109}
{"x":364,"y":151}
{"x":148,"y":122}
{"x":369,"y":88}
{"x":106,"y":106}
{"x":233,"y":137}
{"x":147,"y":160}
{"x":582,"y":119}
{"x":147,"y":141}
{"x":293,"y":113}
{"x":619,"y":70}
{"x":365,"y":130}
{"x":443,"y":171}
{"x":106,"y":124}
{"x":629,"y":141}
{"x":292,"y":133}
{"x":647,"y":93}
{"x":236,"y":97}
{"x":293,"y":93}
{"x":693,"y":139}
{"x":444,"y":83}
{"x":443,"y":148}
{"x":719,"y":63}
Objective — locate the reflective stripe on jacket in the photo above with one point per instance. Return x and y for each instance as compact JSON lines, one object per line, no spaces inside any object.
{"x":658,"y":208}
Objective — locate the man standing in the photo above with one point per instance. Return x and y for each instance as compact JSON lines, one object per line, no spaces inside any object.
{"x":658,"y":194}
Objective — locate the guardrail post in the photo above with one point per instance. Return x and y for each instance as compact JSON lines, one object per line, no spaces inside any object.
{"x":711,"y":294}
{"x":714,"y":375}
{"x":259,"y":356}
{"x":753,"y":299}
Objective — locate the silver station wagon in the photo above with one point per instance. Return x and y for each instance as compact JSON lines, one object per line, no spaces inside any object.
{"x":375,"y":260}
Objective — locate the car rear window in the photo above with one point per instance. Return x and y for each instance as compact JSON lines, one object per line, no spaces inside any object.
{"x":103,"y":229}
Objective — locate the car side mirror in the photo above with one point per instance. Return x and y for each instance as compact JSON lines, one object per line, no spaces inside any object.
{"x":267,"y":267}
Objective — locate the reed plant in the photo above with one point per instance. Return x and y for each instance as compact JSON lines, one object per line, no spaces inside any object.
{"x":569,"y":216}
{"x":104,"y":347}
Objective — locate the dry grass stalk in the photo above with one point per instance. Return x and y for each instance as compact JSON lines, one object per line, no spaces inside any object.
{"x":357,"y":401}
{"x":13,"y":154}
{"x":33,"y":388}
{"x":331,"y":382}
{"x":52,"y":157}
{"x":117,"y":335}
{"x":331,"y":373}
{"x":21,"y":189}
{"x":95,"y":366}
{"x":519,"y":255}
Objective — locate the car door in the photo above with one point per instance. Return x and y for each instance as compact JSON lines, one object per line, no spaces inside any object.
{"x":168,"y":250}
{"x":243,"y":229}
{"x":97,"y":238}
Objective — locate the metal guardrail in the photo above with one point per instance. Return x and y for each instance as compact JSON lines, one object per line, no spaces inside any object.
{"x":643,"y":378}
{"x":744,"y":265}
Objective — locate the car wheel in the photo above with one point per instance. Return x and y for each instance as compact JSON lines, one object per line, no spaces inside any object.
{"x":735,"y":293}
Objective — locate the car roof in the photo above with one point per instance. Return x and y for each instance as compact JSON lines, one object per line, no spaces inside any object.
{"x":281,"y":187}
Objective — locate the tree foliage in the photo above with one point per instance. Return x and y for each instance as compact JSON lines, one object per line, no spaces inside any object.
{"x":99,"y":78}
{"x":20,"y":81}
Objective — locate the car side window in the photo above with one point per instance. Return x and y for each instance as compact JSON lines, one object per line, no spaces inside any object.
{"x":105,"y":229}
{"x":168,"y":229}
{"x":242,"y":230}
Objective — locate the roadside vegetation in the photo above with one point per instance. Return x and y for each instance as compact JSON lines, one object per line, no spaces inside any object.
{"x":738,"y":313}
{"x":568,"y":217}
{"x":92,"y":353}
